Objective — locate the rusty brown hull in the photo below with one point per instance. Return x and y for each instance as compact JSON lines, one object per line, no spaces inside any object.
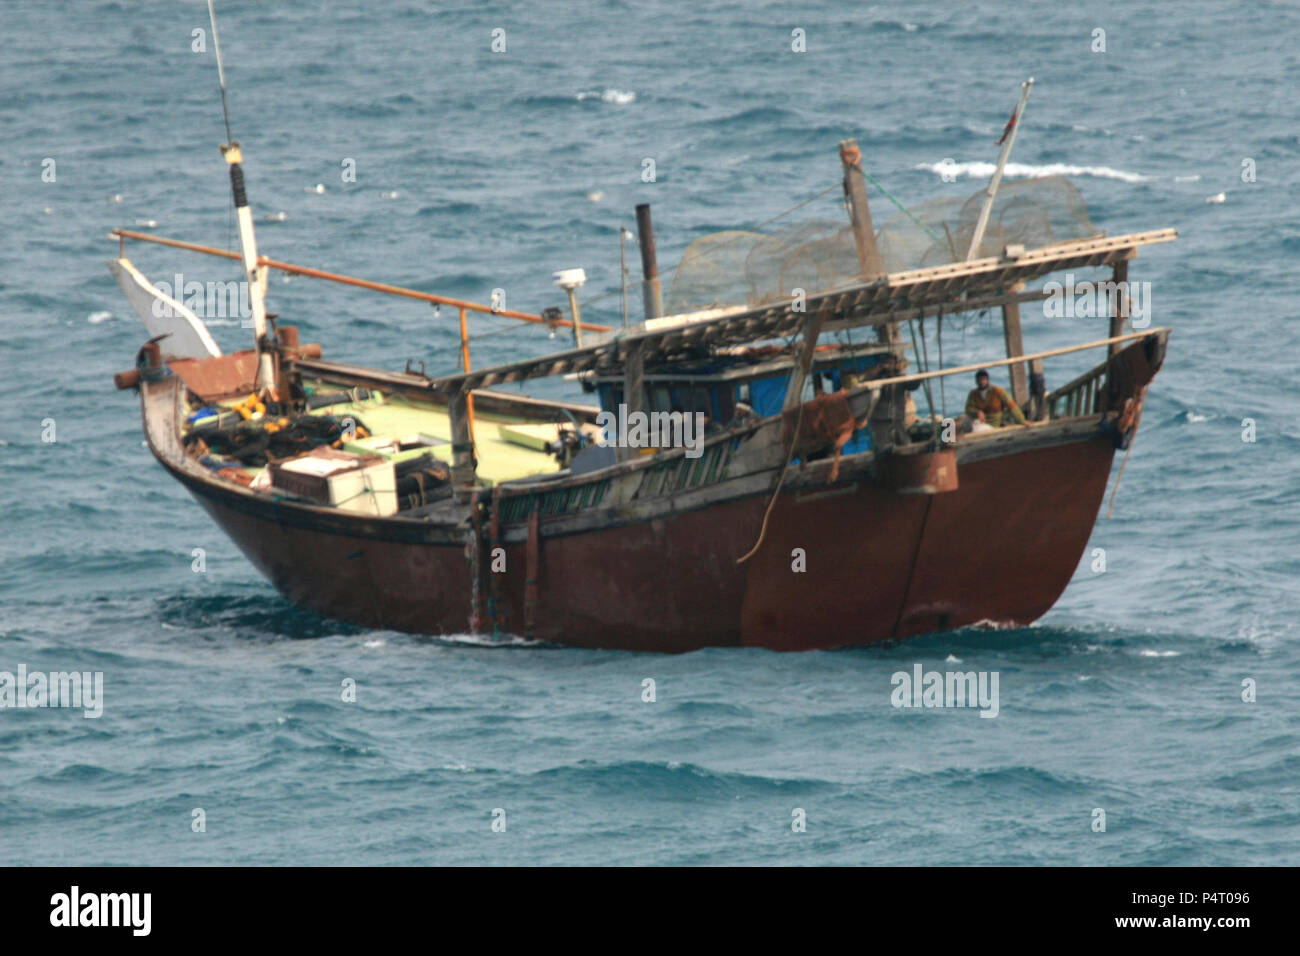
{"x":877,"y":564}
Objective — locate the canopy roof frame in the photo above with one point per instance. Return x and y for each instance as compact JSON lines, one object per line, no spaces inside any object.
{"x":953,"y":287}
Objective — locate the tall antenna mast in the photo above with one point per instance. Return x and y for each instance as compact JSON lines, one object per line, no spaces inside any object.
{"x":221,"y":70}
{"x":1007,"y":141}
{"x":266,"y":350}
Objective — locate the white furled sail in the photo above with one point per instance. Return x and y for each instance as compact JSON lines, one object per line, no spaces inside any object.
{"x":187,"y":336}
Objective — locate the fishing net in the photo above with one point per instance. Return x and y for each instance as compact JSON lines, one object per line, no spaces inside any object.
{"x":755,"y":268}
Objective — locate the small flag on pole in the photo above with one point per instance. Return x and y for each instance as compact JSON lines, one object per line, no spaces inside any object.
{"x":1006,"y":130}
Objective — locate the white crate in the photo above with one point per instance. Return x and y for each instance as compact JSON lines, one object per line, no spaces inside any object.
{"x":367,"y":485}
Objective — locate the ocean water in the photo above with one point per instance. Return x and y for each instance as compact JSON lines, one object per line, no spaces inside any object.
{"x":478,"y":170}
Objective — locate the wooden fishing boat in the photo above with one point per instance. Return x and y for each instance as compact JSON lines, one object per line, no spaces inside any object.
{"x":813,"y":510}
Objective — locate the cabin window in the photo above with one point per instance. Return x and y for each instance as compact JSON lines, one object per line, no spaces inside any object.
{"x":681,"y":398}
{"x":717,"y":402}
{"x":726,"y":403}
{"x":704,"y":403}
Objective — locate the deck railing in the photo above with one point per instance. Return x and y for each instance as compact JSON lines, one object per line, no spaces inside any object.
{"x":1076,"y":398}
{"x":1080,"y":396}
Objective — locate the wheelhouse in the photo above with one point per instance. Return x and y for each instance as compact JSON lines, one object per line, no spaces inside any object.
{"x":743,"y":381}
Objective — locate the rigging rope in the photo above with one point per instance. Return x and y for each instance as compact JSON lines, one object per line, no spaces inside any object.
{"x":890,"y":196}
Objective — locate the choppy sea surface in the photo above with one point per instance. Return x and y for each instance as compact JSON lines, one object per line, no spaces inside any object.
{"x":478,"y":170}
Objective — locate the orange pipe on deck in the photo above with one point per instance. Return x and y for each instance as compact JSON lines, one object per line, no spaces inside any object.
{"x":292,"y":269}
{"x":464,"y":357}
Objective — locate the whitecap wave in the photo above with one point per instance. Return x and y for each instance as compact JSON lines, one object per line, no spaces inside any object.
{"x":983,"y":170}
{"x":617,"y":97}
{"x":487,"y":640}
{"x":96,"y":317}
{"x":987,"y":624}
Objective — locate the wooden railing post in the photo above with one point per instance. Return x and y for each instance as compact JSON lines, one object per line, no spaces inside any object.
{"x":633,"y":394}
{"x":464,"y":474}
{"x":1015,"y":342}
{"x":1119,"y":304}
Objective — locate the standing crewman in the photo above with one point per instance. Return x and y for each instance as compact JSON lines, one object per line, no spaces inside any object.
{"x":989,"y":404}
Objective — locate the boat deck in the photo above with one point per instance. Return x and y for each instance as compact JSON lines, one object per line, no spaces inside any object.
{"x":499,"y":459}
{"x":508,"y":447}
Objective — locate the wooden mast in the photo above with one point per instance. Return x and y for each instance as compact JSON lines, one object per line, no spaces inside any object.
{"x":871,"y":267}
{"x":651,"y":290}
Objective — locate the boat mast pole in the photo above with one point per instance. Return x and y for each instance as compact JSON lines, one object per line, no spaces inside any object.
{"x":1008,"y":140}
{"x":247,"y":240}
{"x":623,"y":236}
{"x":871,"y":267}
{"x":652,"y":291}
{"x":1011,"y":329}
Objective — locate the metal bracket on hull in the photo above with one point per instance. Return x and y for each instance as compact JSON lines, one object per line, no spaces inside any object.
{"x":533,"y":558}
{"x":927,"y":473}
{"x":474,"y":555}
{"x":494,"y":580}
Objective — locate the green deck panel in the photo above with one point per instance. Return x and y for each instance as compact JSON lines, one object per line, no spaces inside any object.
{"x":498,"y":460}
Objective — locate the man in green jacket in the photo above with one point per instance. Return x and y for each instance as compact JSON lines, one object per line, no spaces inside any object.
{"x":990,"y":404}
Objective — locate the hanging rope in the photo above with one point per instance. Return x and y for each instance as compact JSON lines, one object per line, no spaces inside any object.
{"x":762,"y":531}
{"x":1110,"y":512}
{"x":1128,"y":451}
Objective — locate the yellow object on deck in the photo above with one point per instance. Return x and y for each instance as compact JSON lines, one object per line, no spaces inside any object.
{"x":540,"y":436}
